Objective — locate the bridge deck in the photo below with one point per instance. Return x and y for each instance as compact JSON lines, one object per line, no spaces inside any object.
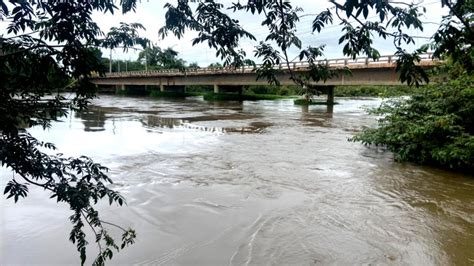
{"x":388,"y":61}
{"x":364,"y":71}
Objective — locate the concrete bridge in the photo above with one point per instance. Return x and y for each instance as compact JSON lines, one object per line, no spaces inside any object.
{"x":363,"y":72}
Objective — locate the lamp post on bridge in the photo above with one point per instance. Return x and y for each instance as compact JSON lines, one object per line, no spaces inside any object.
{"x":110,"y":61}
{"x":126,"y":63}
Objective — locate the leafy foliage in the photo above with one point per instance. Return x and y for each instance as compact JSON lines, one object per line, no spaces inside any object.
{"x":272,"y":89}
{"x":410,"y":72}
{"x":124,"y":36}
{"x":193,"y":65}
{"x":215,"y":65}
{"x":435,"y":126}
{"x":157,"y":58}
{"x":122,"y":65}
{"x":213,"y":26}
{"x":456,"y":34}
{"x":51,"y":46}
{"x":374,"y":91}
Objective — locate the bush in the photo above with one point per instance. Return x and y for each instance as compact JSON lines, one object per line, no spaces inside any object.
{"x":272,"y":89}
{"x":435,"y":126}
{"x":284,"y":91}
{"x":373,"y":91}
{"x":199,"y":88}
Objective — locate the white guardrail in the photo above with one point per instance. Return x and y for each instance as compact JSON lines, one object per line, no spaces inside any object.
{"x":359,"y":62}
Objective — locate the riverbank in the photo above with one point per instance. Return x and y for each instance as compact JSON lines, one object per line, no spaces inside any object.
{"x":374,"y":91}
{"x":272,"y":92}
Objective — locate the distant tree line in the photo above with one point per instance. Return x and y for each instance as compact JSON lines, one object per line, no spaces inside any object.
{"x":151,"y":58}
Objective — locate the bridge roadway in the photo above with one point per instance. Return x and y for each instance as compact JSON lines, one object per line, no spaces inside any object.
{"x":363,"y":72}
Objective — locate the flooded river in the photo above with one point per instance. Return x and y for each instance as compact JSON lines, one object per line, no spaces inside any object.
{"x":252,"y":183}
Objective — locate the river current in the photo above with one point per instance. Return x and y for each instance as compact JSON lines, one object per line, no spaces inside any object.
{"x":247,"y":183}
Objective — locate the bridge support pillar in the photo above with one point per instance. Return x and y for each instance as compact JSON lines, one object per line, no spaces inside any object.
{"x":162,"y":87}
{"x":330,"y":92}
{"x":216,"y":88}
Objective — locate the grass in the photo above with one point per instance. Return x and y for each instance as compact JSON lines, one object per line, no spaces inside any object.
{"x":240,"y":97}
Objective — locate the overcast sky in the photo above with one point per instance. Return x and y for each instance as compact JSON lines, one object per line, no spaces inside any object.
{"x":151,"y":14}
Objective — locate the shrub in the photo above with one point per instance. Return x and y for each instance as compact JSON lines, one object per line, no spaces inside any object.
{"x":373,"y":91}
{"x":272,"y":89}
{"x":284,"y":91}
{"x":435,"y":126}
{"x":199,"y":88}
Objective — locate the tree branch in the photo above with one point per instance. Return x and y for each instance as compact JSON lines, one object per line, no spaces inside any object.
{"x":30,"y":48}
{"x":284,"y":48}
{"x":460,"y":17}
{"x":112,"y":224}
{"x":93,"y":230}
{"x":45,"y":185}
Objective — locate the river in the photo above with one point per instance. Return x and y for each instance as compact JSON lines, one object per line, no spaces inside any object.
{"x":252,"y":183}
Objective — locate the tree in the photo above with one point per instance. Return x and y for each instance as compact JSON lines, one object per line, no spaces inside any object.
{"x":435,"y":126}
{"x":122,"y":65}
{"x":455,"y":36}
{"x":169,"y":59}
{"x":215,"y":65}
{"x":150,"y":55}
{"x":157,"y":58}
{"x":193,"y":65}
{"x":49,"y":46}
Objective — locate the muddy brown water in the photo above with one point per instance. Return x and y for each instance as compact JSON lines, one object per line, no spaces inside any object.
{"x":252,"y":183}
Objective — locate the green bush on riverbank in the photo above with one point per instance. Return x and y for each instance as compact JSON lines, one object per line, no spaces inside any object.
{"x":435,"y":126}
{"x":271,"y":91}
{"x":340,"y":91}
{"x":373,"y":91}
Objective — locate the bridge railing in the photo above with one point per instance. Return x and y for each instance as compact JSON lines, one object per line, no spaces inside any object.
{"x":358,"y":62}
